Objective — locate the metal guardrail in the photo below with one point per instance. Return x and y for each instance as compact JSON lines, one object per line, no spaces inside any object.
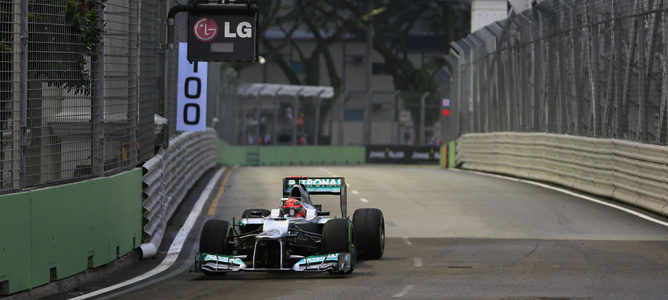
{"x":633,"y":173}
{"x":168,"y":176}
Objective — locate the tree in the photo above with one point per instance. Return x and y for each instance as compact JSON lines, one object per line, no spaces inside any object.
{"x":393,"y":21}
{"x":320,"y":18}
{"x":445,"y":20}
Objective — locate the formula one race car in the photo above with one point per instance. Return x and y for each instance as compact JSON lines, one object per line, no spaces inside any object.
{"x":299,"y":236}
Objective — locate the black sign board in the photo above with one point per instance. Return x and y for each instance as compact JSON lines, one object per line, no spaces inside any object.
{"x":222,"y":36}
{"x":393,"y":154}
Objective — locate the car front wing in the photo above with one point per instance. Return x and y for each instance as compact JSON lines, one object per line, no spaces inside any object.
{"x":333,"y":262}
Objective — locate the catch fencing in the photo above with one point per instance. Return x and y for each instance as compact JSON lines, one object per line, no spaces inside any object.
{"x":80,"y":82}
{"x":595,"y":68}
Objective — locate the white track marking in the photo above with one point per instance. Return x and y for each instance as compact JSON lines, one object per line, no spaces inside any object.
{"x":174,"y":248}
{"x":355,"y":192}
{"x":417,"y":262}
{"x":404,"y":291}
{"x":364,"y":200}
{"x":581,"y":196}
{"x":407,"y":241}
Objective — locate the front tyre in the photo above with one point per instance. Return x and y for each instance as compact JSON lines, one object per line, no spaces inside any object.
{"x":216,"y":237}
{"x":338,"y":237}
{"x":369,"y":226}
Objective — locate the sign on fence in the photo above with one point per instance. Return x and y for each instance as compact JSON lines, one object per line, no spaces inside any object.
{"x":191,"y":89}
{"x":392,"y":154}
{"x":229,"y":36}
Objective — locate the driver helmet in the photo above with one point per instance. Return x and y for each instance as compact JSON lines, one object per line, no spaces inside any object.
{"x":293,"y":208}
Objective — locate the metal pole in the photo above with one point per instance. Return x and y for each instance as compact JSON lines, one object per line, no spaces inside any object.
{"x":244,"y":133}
{"x":343,"y":65}
{"x":317,"y":120}
{"x":133,"y":115}
{"x":422,"y":114}
{"x":395,"y":115}
{"x":23,"y":96}
{"x":98,"y":98}
{"x":294,"y":121}
{"x":274,"y":130}
{"x":369,"y":74}
{"x":367,"y":119}
{"x":257,"y":115}
{"x":342,"y":114}
{"x":168,"y":49}
{"x":317,"y":117}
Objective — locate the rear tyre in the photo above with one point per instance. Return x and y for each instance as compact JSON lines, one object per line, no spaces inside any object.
{"x":215,"y":238}
{"x":369,"y":226}
{"x":255,"y":212}
{"x":337,"y":237}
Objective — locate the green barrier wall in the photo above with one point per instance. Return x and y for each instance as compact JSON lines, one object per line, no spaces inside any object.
{"x":288,"y":155}
{"x":56,"y":232}
{"x":452,"y":150}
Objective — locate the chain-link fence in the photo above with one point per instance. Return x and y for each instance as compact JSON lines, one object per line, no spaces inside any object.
{"x":591,"y":68}
{"x":80,"y":82}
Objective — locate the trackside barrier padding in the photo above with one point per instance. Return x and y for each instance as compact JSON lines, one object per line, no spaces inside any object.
{"x":630,"y":172}
{"x":52,"y":233}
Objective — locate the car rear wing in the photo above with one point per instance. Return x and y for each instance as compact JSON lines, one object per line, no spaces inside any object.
{"x":320,"y":186}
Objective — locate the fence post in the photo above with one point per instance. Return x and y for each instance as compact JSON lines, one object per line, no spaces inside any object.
{"x":317,"y":119}
{"x":258,"y":115}
{"x":134,"y":114}
{"x":422,"y":114}
{"x":244,"y":126}
{"x":23,"y":96}
{"x":395,"y":119}
{"x":274,"y":129}
{"x":367,"y":118}
{"x":97,"y":107}
{"x":295,"y":114}
{"x":342,"y":114}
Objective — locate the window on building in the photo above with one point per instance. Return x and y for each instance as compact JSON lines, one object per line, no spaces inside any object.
{"x":353,"y":115}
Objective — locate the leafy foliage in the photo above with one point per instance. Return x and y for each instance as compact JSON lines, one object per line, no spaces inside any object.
{"x":394,"y":23}
{"x":64,"y":36}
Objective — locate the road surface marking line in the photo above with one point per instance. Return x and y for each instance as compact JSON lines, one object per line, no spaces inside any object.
{"x":407,"y":241}
{"x":174,"y":248}
{"x":403,"y":291}
{"x":581,"y":196}
{"x":364,"y":200}
{"x":221,"y":190}
{"x":417,"y":262}
{"x":355,"y":192}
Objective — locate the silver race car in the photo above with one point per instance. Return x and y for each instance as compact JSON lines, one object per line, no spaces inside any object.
{"x":299,"y":236}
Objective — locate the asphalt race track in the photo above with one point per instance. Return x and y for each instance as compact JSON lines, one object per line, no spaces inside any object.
{"x":451,"y":234}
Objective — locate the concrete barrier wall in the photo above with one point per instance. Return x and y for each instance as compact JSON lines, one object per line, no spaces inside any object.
{"x":633,"y":173}
{"x":288,"y":155}
{"x":52,"y":233}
